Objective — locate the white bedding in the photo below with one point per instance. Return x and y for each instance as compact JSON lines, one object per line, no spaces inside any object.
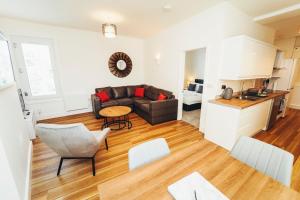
{"x":191,"y":97}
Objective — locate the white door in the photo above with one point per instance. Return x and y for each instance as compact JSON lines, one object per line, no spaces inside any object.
{"x":35,"y":66}
{"x":286,"y":76}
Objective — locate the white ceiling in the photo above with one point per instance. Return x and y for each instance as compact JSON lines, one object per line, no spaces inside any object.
{"x":285,"y":21}
{"x":139,"y":18}
{"x":286,"y":28}
{"x":260,"y":7}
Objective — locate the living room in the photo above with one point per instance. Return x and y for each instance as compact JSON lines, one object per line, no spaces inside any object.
{"x":128,"y":90}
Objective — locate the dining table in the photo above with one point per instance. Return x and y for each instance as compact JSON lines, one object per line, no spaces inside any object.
{"x":231,"y":177}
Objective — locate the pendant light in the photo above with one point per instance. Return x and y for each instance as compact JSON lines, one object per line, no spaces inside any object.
{"x":109,"y":30}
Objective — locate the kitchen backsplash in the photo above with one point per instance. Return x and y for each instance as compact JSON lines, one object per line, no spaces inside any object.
{"x":237,"y":85}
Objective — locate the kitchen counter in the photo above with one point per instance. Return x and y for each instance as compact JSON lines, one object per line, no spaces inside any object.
{"x":241,"y":104}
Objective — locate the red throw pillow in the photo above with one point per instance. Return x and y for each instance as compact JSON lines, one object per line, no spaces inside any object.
{"x":103,"y":96}
{"x":139,"y":92}
{"x":161,"y":96}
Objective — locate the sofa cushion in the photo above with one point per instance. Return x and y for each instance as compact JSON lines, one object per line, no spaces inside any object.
{"x":161,"y":96}
{"x":142,"y":104}
{"x":139,"y":92}
{"x":125,"y":101}
{"x":110,"y":103}
{"x":138,"y":100}
{"x":103,"y":96}
{"x":166,"y":93}
{"x":130,"y":90}
{"x":106,"y":89}
{"x":151,"y":93}
{"x":144,"y":107}
{"x":119,"y":92}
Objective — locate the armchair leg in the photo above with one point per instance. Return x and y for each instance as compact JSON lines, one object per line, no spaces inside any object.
{"x":59,"y":167}
{"x":106,"y":145}
{"x":93,"y":163}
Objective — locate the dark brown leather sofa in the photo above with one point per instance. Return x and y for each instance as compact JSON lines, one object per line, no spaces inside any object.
{"x":149,"y":107}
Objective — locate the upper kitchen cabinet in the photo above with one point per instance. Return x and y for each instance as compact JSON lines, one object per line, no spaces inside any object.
{"x":246,"y":58}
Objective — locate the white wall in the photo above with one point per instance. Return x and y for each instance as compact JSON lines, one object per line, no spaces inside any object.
{"x":207,"y":29}
{"x":15,"y":147}
{"x":81,"y":60}
{"x":194,"y":64}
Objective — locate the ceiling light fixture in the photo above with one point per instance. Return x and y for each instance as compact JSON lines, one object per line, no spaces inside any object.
{"x":167,"y":7}
{"x":109,"y":30}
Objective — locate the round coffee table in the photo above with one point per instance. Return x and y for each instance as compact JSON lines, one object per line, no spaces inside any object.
{"x":116,"y":115}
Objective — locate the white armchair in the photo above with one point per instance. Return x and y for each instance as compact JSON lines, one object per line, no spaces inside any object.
{"x":72,"y":141}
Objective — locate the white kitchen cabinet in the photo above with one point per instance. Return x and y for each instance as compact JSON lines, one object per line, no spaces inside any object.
{"x":246,"y":58}
{"x":224,"y":124}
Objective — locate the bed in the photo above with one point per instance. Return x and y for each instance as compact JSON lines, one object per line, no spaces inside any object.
{"x":192,"y":97}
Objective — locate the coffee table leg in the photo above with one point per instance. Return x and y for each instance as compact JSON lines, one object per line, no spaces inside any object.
{"x":104,"y":125}
{"x":129,"y":122}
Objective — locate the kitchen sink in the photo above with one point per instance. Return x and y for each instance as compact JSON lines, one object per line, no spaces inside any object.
{"x":246,"y":97}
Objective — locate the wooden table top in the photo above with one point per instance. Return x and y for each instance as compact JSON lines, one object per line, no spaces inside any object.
{"x":241,"y":104}
{"x":233,"y":178}
{"x":115,"y":111}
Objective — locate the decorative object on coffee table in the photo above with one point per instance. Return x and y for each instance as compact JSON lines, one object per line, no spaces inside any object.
{"x":116,"y":115}
{"x":120,"y":64}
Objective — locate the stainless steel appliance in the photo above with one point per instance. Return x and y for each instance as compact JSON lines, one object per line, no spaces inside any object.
{"x":227,"y":93}
{"x":277,"y":110}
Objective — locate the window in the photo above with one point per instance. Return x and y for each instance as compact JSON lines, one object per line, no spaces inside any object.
{"x":39,"y":69}
{"x":35,"y":68}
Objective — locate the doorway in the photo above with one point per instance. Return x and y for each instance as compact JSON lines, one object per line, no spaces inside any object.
{"x":194,"y":70}
{"x":35,"y":66}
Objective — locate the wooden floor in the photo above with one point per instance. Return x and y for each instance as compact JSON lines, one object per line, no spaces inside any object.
{"x":76,"y":180}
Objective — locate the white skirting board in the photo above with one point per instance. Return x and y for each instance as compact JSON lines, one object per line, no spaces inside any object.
{"x":28,"y":177}
{"x":294,"y":106}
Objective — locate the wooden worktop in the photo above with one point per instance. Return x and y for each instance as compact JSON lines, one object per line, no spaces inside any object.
{"x":241,"y":104}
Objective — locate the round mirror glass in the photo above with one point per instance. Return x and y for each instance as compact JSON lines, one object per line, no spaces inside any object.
{"x":121,"y":64}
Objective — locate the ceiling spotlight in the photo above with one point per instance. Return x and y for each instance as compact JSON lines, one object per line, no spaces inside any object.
{"x":167,"y":8}
{"x":109,"y":30}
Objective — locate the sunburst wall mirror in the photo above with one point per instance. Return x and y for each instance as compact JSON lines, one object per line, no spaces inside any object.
{"x":120,"y":64}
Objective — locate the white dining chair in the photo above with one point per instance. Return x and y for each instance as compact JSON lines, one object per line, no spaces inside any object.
{"x":265,"y":158}
{"x":147,"y":152}
{"x":72,"y":141}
